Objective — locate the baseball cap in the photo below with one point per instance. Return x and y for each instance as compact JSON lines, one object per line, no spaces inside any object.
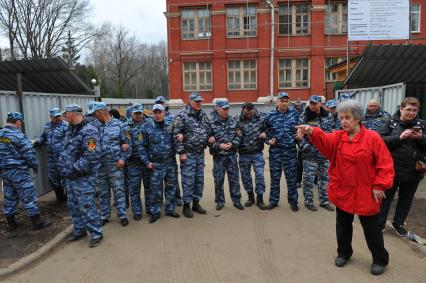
{"x":195,"y":96}
{"x":331,"y":103}
{"x":222,"y":104}
{"x":137,"y":108}
{"x":315,"y":98}
{"x":73,"y":108}
{"x":283,"y":95}
{"x":54,"y":112}
{"x":15,"y":115}
{"x":160,"y":98}
{"x":95,"y":106}
{"x":158,"y":107}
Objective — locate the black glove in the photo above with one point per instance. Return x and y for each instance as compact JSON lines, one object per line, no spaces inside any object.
{"x":74,"y":175}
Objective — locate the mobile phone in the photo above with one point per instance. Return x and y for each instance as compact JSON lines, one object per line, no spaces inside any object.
{"x":417,"y":129}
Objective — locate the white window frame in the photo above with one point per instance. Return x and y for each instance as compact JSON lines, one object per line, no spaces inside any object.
{"x":200,"y":32}
{"x":240,"y":72}
{"x":419,"y":18}
{"x":241,"y":30}
{"x":283,"y":70}
{"x":341,"y":26}
{"x":328,"y":76}
{"x":201,"y":76}
{"x":293,"y":14}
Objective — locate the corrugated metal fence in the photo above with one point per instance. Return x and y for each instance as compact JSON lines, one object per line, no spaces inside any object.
{"x":389,"y":96}
{"x":36,"y":114}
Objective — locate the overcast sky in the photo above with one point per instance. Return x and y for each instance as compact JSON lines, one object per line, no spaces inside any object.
{"x":143,"y":18}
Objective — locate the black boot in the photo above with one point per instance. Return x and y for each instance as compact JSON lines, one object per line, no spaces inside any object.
{"x":11,"y":222}
{"x":60,"y":193}
{"x":260,"y":204}
{"x":250,"y":200}
{"x":197,"y":207}
{"x":38,"y":223}
{"x":187,"y":210}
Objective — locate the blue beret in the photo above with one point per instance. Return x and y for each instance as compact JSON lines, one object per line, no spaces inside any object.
{"x":73,"y":108}
{"x":54,"y":112}
{"x":15,"y":115}
{"x":283,"y":95}
{"x":158,"y":107}
{"x":196,"y":96}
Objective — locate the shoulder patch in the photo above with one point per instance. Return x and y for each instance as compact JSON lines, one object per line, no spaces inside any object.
{"x":140,"y":137}
{"x":91,"y":144}
{"x":5,"y":140}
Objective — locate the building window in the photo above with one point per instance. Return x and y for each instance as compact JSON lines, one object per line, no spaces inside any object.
{"x":293,"y":73}
{"x":241,"y":21}
{"x":336,"y":18}
{"x":197,"y":76}
{"x":328,"y":63}
{"x":415,"y":18}
{"x":195,"y":23}
{"x":293,"y":19}
{"x":242,"y":74}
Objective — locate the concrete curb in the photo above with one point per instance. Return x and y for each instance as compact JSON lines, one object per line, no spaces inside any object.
{"x":31,"y":258}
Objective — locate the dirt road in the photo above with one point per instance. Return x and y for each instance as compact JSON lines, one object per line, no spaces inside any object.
{"x":230,"y":246}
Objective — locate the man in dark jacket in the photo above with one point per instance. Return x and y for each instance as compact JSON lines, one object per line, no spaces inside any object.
{"x":252,"y":128}
{"x":405,"y":138}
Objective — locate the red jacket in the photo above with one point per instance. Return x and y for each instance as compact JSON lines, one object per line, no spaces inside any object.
{"x":355,"y":168}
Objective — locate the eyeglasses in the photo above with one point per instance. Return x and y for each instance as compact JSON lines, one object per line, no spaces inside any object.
{"x":411,"y":110}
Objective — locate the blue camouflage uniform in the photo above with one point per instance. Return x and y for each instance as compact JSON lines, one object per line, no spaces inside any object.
{"x":157,"y":148}
{"x":79,"y":162}
{"x":225,"y":161}
{"x":53,"y":137}
{"x":135,"y":168}
{"x":250,"y":151}
{"x":196,"y":130}
{"x":314,"y":164}
{"x":283,"y":155}
{"x":375,"y":121}
{"x":169,"y":118}
{"x":17,"y":156}
{"x":332,"y":103}
{"x":113,"y":135}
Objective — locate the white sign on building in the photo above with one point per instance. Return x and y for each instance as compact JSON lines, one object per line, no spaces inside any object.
{"x":378,"y":19}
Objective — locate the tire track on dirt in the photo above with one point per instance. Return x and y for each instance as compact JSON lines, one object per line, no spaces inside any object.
{"x":265,"y":251}
{"x":201,"y":263}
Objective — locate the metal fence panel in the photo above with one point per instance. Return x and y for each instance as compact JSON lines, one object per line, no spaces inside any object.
{"x":389,"y":96}
{"x":36,"y":114}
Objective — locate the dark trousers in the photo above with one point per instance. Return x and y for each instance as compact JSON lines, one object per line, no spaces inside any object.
{"x":373,"y":236}
{"x":406,"y":193}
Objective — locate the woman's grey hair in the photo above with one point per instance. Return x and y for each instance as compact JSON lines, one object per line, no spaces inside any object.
{"x":353,"y":107}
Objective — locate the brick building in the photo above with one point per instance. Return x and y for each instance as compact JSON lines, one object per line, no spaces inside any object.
{"x":222,"y":48}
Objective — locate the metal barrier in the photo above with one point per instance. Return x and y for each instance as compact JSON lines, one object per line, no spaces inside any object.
{"x":389,"y":96}
{"x":36,"y":114}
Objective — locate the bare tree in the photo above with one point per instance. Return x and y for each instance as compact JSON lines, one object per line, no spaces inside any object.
{"x":40,"y":27}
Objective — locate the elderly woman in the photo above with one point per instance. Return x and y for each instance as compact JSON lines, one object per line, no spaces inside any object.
{"x":361,"y":169}
{"x":405,"y":137}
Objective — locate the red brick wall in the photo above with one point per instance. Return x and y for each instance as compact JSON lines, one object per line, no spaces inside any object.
{"x":316,"y":46}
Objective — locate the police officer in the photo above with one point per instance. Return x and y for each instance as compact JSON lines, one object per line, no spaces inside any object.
{"x":169,"y":117}
{"x":314,"y":164}
{"x":281,"y":124}
{"x":54,"y":137}
{"x":136,"y":171}
{"x":375,"y":116}
{"x":224,"y":152}
{"x":193,"y":124}
{"x":158,"y":155}
{"x":331,"y":106}
{"x":115,"y":143}
{"x":251,"y":126}
{"x":79,"y":162}
{"x":17,"y":156}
